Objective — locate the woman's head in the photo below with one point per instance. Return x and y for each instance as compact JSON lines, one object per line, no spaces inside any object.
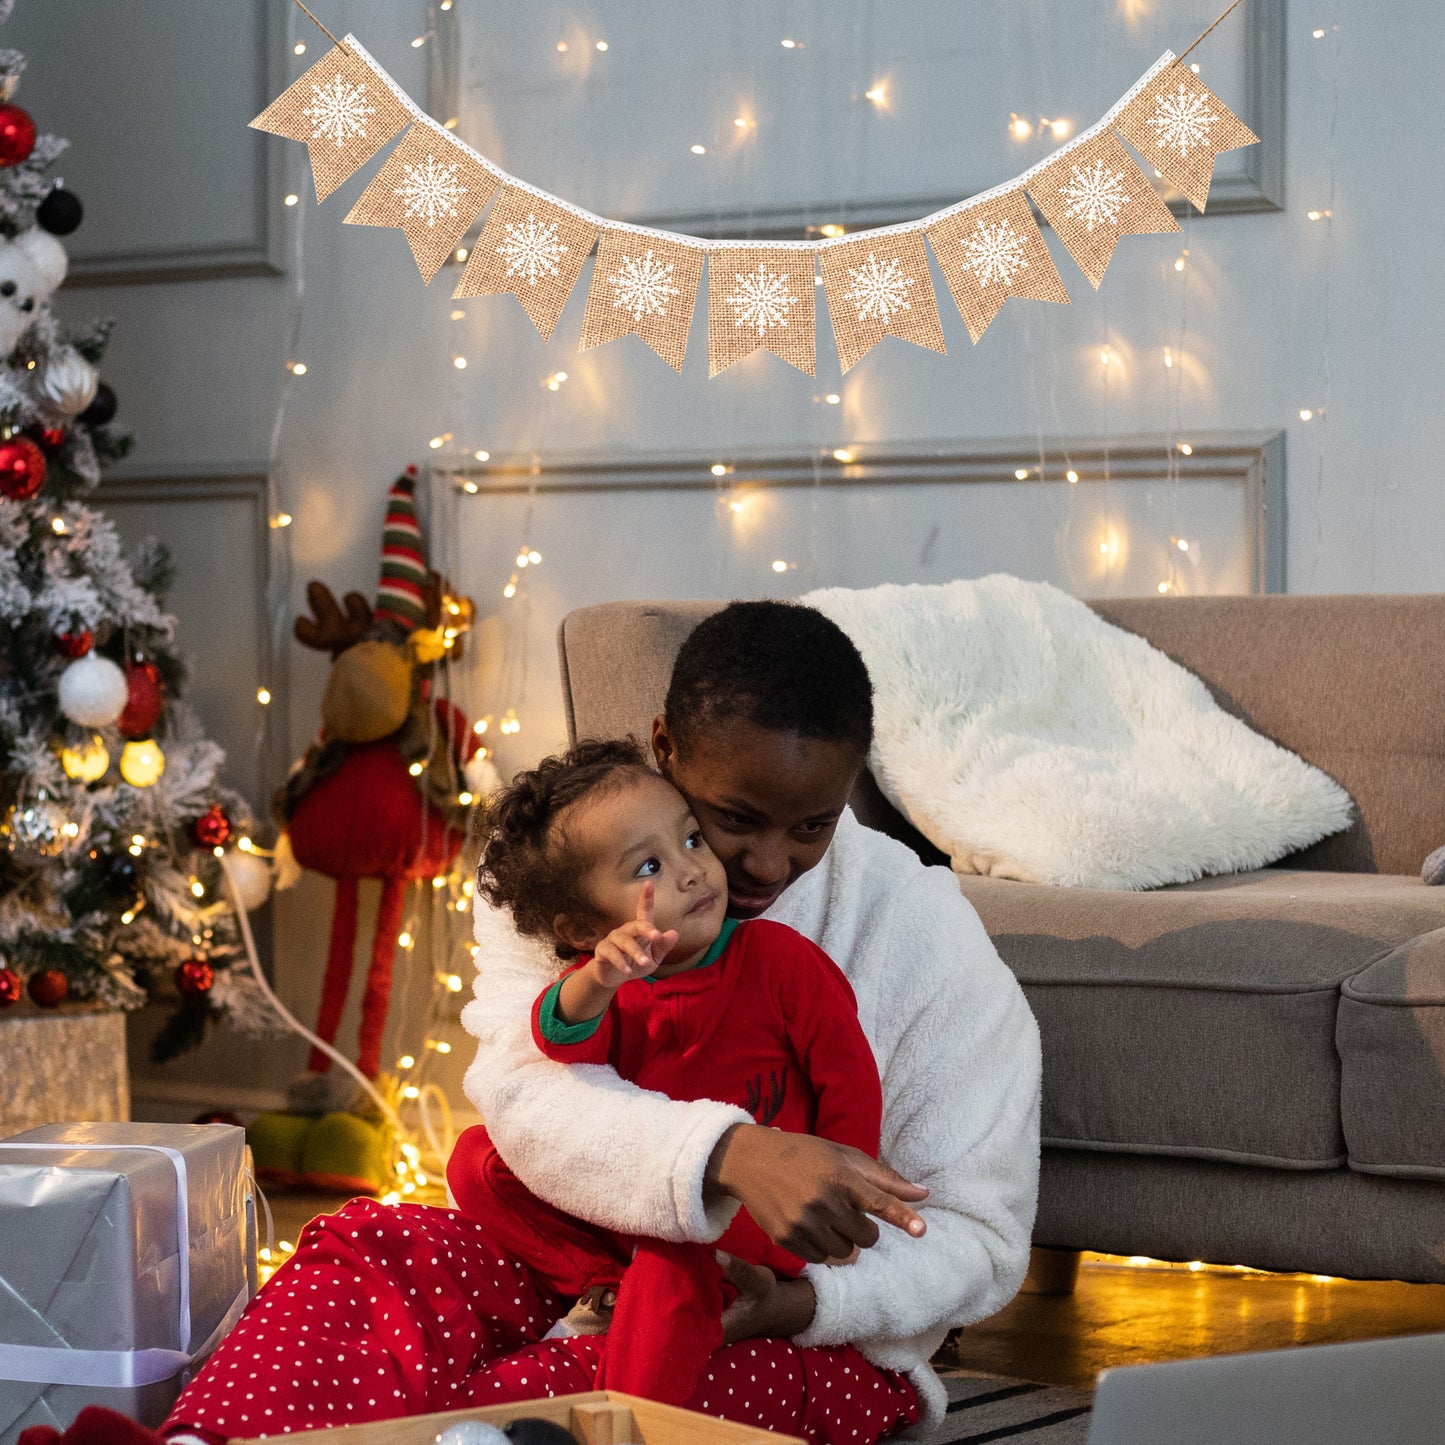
{"x":768,"y":720}
{"x":571,"y":844}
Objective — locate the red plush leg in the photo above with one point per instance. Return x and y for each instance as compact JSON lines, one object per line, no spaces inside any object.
{"x":667,"y":1323}
{"x":378,"y":979}
{"x":338,"y":970}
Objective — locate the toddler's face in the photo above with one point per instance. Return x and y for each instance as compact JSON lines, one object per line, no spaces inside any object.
{"x":641,"y":832}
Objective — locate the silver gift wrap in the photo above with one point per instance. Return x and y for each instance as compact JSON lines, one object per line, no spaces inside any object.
{"x":126,"y":1252}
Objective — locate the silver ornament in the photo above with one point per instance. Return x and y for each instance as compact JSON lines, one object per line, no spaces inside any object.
{"x":69,"y":383}
{"x":472,"y":1432}
{"x":47,"y":255}
{"x":34,"y":829}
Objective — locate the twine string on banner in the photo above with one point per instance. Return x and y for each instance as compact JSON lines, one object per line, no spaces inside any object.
{"x":1186,"y":54}
{"x":341,"y":43}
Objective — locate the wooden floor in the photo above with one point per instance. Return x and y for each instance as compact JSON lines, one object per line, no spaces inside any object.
{"x":1119,"y":1315}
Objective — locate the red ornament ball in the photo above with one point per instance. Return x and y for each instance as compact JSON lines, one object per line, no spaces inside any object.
{"x":17,"y":135}
{"x":48,"y":987}
{"x":194,"y":977}
{"x":75,"y":644}
{"x":10,"y":987}
{"x":52,"y":436}
{"x":22,"y":467}
{"x":143,"y":702}
{"x":212,"y":828}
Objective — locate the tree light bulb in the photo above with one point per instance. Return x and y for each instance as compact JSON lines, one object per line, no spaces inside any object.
{"x":698,"y":150}
{"x":480,"y":726}
{"x":788,"y":44}
{"x":832,"y":398}
{"x":460,"y":362}
{"x":1021,"y":474}
{"x":601,"y":45}
{"x":299,"y":48}
{"x":263,"y":695}
{"x":1071,"y":476}
{"x":1019,"y":128}
{"x":198,"y":889}
{"x":280,"y":520}
{"x":292,"y":199}
{"x":1060,"y":128}
{"x":780,"y":565}
{"x":878,"y":94}
{"x":453,"y":983}
{"x":482,"y":456}
{"x":510,"y":590}
{"x":1163,"y":587}
{"x":1185,"y":450}
{"x":298,"y":368}
{"x":844,"y":455}
{"x":1182,"y":544}
{"x":417,"y":769}
{"x":406,"y":1061}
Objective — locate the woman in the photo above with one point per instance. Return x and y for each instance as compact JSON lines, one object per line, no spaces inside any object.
{"x":393,"y":1311}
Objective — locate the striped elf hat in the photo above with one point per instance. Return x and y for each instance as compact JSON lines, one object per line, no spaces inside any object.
{"x":403,"y":561}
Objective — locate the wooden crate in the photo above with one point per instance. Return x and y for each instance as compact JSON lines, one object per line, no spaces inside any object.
{"x":602,"y":1417}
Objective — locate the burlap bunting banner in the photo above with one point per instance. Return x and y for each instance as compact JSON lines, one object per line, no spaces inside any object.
{"x":879,"y":286}
{"x":760,"y":296}
{"x":990,"y":252}
{"x":1092,"y":195}
{"x":344,"y":112}
{"x":643,"y":286}
{"x":532,"y":250}
{"x":432,"y":190}
{"x":1179,"y":126}
{"x":646,"y":282}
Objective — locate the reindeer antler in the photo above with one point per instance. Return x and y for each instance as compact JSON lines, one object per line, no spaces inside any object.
{"x":332,"y":630}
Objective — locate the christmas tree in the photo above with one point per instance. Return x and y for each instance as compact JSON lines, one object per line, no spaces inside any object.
{"x":114,"y":821}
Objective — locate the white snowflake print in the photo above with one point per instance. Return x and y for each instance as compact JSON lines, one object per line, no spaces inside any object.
{"x":338,"y":111}
{"x":880,"y":289}
{"x":431,"y":190}
{"x":1182,"y":120}
{"x":642,"y":286}
{"x":761,"y":299}
{"x":532,"y":249}
{"x":994,"y":253}
{"x":1095,"y":196}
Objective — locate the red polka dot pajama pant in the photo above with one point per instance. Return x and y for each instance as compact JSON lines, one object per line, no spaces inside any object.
{"x":400,"y":1310}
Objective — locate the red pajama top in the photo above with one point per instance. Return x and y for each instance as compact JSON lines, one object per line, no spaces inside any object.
{"x":769,"y":1024}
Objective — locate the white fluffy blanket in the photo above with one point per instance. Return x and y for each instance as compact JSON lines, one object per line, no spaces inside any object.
{"x":1028,"y":738}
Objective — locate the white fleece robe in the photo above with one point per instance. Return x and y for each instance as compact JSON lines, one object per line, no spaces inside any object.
{"x":958,"y":1055}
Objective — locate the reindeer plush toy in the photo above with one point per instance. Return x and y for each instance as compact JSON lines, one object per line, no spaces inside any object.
{"x":378,"y":794}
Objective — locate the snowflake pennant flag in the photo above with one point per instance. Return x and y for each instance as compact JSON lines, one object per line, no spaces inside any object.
{"x":1093,"y":194}
{"x":990,"y":251}
{"x":643,"y":285}
{"x":343,"y":111}
{"x":1179,"y":126}
{"x":530,"y":249}
{"x":879,"y":286}
{"x":430,"y":188}
{"x":760,"y":297}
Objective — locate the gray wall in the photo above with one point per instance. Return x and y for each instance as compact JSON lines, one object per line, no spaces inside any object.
{"x":1282,"y":314}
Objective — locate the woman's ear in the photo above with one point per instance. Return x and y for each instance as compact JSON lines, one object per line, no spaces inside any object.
{"x":576,"y":931}
{"x":662,"y":748}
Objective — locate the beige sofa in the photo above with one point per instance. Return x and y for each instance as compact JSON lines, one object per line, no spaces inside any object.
{"x":1249,"y":1069}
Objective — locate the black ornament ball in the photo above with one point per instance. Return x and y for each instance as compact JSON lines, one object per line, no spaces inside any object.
{"x":102,"y":409}
{"x":118,"y":872}
{"x":60,"y":212}
{"x":531,"y":1430}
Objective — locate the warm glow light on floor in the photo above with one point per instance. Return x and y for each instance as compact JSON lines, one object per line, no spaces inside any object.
{"x":1091,"y":1259}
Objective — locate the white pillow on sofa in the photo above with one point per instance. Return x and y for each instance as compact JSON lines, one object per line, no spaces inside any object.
{"x":1028,"y":738}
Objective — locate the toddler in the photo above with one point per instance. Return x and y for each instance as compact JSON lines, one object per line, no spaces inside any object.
{"x":601,"y":856}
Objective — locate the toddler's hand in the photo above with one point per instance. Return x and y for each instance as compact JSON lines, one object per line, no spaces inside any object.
{"x":635,"y":949}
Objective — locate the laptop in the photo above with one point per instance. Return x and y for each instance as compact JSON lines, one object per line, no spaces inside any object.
{"x":1375,"y":1392}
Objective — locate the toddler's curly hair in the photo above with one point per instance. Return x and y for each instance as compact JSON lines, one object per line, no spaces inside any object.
{"x":528,"y":865}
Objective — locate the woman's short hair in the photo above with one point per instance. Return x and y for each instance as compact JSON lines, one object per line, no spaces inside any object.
{"x":780,"y":665}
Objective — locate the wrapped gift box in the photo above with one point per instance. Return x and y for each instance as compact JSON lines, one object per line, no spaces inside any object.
{"x":602,"y":1417}
{"x":126,"y":1252}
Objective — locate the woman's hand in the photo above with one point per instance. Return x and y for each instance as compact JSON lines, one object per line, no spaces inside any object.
{"x":766,"y":1306}
{"x":811,"y":1196}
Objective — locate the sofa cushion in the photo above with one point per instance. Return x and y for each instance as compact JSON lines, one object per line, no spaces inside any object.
{"x":1200,"y":1020}
{"x":1392,"y":1057}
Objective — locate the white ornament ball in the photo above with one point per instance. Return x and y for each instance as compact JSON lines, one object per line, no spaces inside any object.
{"x":46,"y":254}
{"x":472,"y":1432}
{"x":482,"y":777}
{"x":93,"y":691}
{"x":69,"y":383}
{"x":251,"y":875}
